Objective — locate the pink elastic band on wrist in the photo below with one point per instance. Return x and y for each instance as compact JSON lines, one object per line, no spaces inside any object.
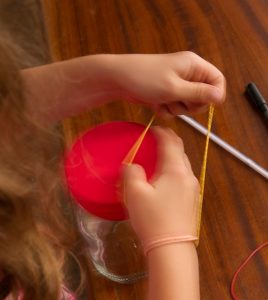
{"x":152,"y":244}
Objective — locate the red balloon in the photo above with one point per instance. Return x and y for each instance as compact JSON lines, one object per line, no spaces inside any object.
{"x":93,"y":164}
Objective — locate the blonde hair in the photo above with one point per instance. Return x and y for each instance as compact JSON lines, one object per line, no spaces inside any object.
{"x":37,"y":224}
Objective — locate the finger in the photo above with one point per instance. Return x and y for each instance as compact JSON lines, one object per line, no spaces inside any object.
{"x":185,"y":157}
{"x":133,"y":173}
{"x":202,"y":71}
{"x":187,"y":163}
{"x":179,"y":108}
{"x":170,"y":152}
{"x":131,"y":176}
{"x":196,"y":108}
{"x":164,"y":112}
{"x":198,"y":92}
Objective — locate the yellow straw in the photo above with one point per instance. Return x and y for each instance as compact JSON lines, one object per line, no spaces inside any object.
{"x":203,"y":173}
{"x":135,"y":148}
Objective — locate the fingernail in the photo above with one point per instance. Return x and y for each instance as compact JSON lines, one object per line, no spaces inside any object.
{"x":217,"y":95}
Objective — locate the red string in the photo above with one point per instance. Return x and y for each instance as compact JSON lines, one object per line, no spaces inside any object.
{"x":234,"y":297}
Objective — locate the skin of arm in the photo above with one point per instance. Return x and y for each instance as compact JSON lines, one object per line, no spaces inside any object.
{"x":173,"y":272}
{"x":173,"y":83}
{"x":62,"y":89}
{"x":166,"y":206}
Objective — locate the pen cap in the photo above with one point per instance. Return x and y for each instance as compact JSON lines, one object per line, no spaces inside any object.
{"x":256,"y":96}
{"x":93,"y":164}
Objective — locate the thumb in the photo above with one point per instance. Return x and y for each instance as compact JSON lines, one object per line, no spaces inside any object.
{"x":201,"y":93}
{"x":132,"y":177}
{"x":133,"y":173}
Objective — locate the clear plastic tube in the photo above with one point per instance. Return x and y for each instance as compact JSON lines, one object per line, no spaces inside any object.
{"x":245,"y":159}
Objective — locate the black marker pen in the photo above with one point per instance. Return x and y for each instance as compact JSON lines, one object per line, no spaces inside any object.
{"x":257,"y":98}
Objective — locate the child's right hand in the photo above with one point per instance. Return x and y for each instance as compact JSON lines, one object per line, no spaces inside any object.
{"x":172,"y":84}
{"x":167,"y":205}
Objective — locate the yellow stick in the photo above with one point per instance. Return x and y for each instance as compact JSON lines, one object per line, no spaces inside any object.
{"x":135,"y":148}
{"x":203,"y":173}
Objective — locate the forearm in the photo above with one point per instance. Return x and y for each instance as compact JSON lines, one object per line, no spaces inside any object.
{"x":67,"y":88}
{"x":173,"y":272}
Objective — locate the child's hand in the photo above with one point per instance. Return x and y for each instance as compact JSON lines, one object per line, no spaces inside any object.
{"x":168,"y":204}
{"x":177,"y":83}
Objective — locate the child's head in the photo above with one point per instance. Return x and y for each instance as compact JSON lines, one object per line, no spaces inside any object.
{"x":36,"y":231}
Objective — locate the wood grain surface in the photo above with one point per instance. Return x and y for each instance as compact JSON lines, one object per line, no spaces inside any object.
{"x":233,"y":35}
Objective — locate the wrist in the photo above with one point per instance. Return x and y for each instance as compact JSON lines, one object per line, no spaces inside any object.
{"x":173,"y":272}
{"x":170,"y":250}
{"x":167,"y":240}
{"x":102,"y":70}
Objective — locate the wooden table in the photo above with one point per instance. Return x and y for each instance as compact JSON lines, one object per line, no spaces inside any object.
{"x":232,"y":35}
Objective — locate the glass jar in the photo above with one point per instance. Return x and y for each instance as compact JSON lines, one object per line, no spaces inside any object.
{"x":113,"y":247}
{"x":92,"y":169}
